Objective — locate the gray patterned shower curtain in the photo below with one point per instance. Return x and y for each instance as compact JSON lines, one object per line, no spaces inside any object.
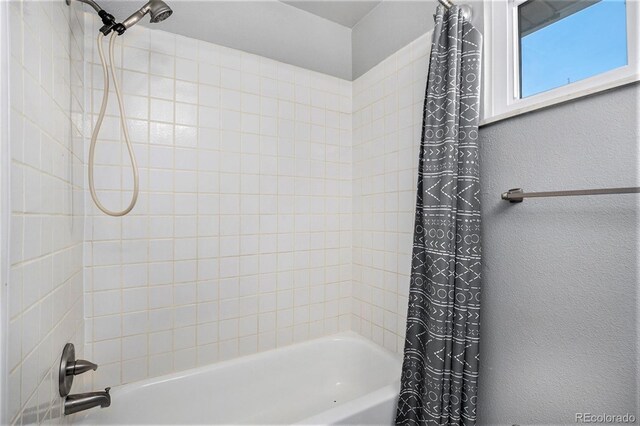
{"x":440,"y":369}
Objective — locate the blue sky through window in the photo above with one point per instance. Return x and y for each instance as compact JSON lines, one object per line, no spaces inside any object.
{"x":584,"y":44}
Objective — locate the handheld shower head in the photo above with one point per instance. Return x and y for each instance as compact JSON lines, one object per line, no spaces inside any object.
{"x":158,"y":10}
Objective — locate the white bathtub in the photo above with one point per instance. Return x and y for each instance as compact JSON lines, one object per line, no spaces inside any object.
{"x":340,"y":379}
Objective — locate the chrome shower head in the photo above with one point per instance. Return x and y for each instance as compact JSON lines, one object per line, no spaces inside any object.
{"x":158,"y":9}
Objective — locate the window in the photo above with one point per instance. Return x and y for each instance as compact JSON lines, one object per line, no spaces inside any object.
{"x":560,"y":43}
{"x":541,"y":52}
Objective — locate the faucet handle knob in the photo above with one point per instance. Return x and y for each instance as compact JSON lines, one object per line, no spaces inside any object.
{"x":70,"y":366}
{"x":107,"y":390}
{"x":80,"y":366}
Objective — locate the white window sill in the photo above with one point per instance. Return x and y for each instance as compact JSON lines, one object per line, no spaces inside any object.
{"x":543,"y":104}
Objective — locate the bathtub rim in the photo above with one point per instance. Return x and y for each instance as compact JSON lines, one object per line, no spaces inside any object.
{"x":339,"y":336}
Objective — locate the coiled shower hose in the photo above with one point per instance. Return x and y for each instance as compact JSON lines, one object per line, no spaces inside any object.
{"x":123,"y":121}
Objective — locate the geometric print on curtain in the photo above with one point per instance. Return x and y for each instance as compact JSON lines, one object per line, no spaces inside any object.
{"x":441,"y":357}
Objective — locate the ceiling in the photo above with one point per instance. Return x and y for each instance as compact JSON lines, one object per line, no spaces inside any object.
{"x":268,"y":28}
{"x":343,"y":38}
{"x":346,"y":13}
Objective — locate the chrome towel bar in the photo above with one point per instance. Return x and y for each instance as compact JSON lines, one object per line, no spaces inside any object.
{"x":517,"y":195}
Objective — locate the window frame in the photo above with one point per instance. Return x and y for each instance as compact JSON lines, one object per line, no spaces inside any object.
{"x":502,"y":65}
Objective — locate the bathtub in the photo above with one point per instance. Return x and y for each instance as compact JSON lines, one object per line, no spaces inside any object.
{"x":337,"y":380}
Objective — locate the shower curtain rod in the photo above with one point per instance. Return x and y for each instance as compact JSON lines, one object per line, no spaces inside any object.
{"x":517,"y":195}
{"x":465,"y":9}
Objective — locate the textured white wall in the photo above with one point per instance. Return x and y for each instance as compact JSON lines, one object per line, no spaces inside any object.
{"x":241,"y":239}
{"x":45,"y":278}
{"x":560,"y":285}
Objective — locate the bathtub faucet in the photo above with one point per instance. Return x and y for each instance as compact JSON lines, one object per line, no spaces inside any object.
{"x":84,"y":401}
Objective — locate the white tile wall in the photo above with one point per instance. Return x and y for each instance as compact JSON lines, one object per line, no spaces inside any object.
{"x":241,"y":239}
{"x":45,"y":277}
{"x":387,"y":121}
{"x":259,"y":222}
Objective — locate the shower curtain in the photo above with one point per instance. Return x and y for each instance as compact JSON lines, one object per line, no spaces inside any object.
{"x":440,"y":368}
